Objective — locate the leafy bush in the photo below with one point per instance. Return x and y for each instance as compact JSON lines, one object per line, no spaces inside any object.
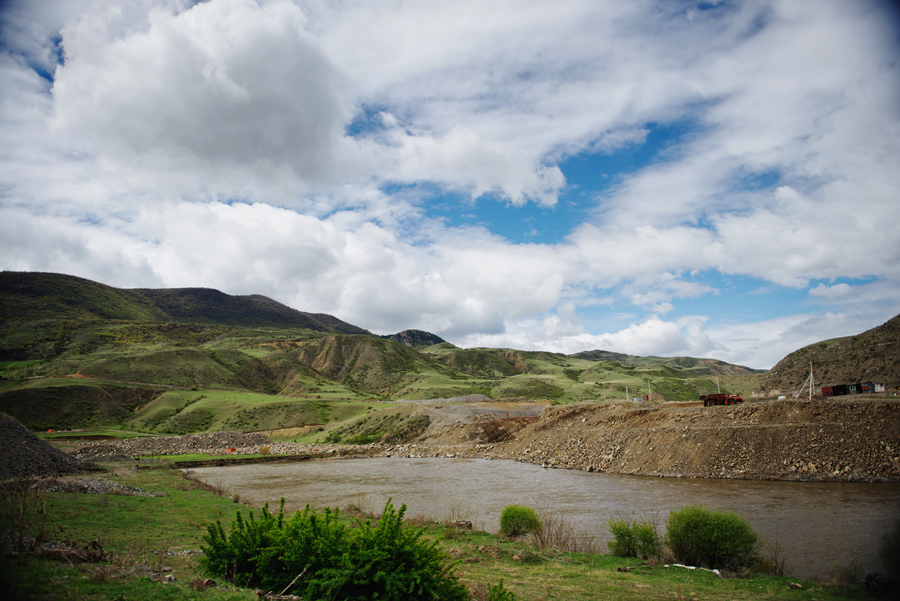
{"x":889,"y":550}
{"x":714,"y":539}
{"x":270,"y":551}
{"x":390,"y":561}
{"x":516,"y":520}
{"x":315,"y":556}
{"x":634,"y":539}
{"x":498,"y":593}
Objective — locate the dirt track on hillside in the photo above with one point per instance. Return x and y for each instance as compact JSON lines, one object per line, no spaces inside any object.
{"x":849,"y":440}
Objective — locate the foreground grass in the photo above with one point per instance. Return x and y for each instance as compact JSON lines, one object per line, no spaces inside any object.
{"x":140,"y":534}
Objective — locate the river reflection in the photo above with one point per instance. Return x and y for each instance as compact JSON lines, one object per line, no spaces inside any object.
{"x":818,"y":522}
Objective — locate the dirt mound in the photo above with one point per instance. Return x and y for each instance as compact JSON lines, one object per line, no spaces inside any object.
{"x":24,"y":455}
{"x":474,"y":412}
{"x":784,"y":440}
{"x":497,"y":430}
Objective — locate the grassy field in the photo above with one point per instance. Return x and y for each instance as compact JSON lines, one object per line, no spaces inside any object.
{"x":181,"y":412}
{"x":139,"y":535}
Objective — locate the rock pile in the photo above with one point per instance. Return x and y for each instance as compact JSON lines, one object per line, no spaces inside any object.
{"x":24,"y":455}
{"x":206,"y":443}
{"x":92,"y":486}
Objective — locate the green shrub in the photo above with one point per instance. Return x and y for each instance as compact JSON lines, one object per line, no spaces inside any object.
{"x":889,"y":550}
{"x":634,"y":539}
{"x":270,"y":551}
{"x":715,"y":539}
{"x":483,"y":591}
{"x":391,"y":562}
{"x":516,"y":520}
{"x":498,"y":593}
{"x":315,"y":556}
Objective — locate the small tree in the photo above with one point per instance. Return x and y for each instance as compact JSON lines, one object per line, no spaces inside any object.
{"x":714,"y":539}
{"x":517,"y":520}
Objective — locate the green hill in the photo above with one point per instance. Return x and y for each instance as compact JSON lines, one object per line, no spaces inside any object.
{"x":372,"y":364}
{"x":36,"y":296}
{"x":76,"y":353}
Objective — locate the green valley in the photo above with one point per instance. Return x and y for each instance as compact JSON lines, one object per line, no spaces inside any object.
{"x":78,"y":354}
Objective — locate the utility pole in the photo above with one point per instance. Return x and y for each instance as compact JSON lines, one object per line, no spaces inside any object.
{"x":649,"y":392}
{"x":810,"y":380}
{"x":717,"y":385}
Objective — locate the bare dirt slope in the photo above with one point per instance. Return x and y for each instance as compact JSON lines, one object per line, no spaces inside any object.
{"x":784,"y":440}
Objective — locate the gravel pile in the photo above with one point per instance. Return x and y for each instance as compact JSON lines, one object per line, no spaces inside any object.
{"x":207,"y":443}
{"x":24,"y":455}
{"x":784,"y":440}
{"x":94,"y":486}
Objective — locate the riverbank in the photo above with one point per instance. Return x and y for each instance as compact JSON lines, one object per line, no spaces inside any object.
{"x":146,"y":548}
{"x":856,"y":440}
{"x":849,"y":440}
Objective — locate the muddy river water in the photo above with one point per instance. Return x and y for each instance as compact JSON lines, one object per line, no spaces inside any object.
{"x":817,"y":522}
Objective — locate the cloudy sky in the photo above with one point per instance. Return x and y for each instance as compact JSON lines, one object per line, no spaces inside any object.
{"x":714,"y":179}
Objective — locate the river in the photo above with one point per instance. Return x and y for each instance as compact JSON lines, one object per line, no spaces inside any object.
{"x":819,"y":523}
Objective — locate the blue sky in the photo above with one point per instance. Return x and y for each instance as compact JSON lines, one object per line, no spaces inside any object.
{"x":588,"y":175}
{"x":713,"y":179}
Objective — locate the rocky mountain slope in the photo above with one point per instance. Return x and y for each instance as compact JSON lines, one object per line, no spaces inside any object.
{"x":873,"y":356}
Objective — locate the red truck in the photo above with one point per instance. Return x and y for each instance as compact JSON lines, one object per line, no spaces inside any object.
{"x":720,"y":399}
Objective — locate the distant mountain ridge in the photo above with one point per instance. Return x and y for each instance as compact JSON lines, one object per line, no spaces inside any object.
{"x":873,"y":356}
{"x":28,"y":296}
{"x":700,"y":366}
{"x":416,"y":338}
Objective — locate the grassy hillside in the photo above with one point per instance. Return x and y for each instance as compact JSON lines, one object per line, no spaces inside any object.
{"x":75,"y":353}
{"x":373,"y":364}
{"x":183,"y":412}
{"x":57,"y":305}
{"x":73,"y":405}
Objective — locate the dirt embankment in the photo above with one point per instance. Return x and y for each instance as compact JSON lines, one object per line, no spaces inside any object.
{"x":783,"y":440}
{"x":846,"y":440}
